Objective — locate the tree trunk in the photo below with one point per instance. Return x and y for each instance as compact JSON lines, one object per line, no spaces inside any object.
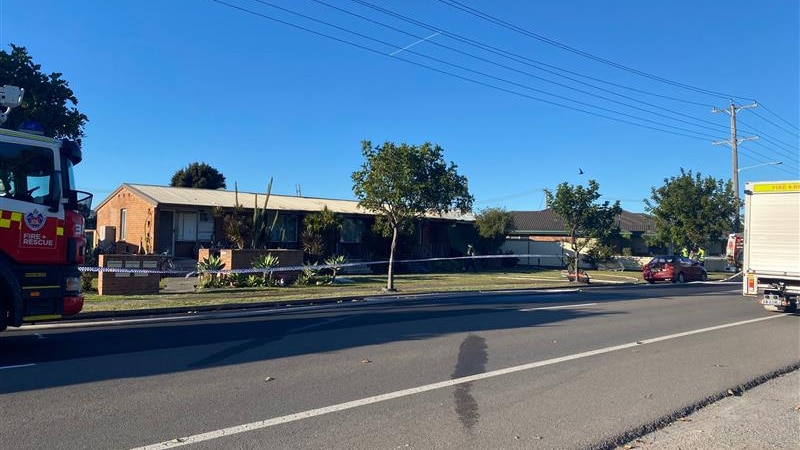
{"x":390,"y":281}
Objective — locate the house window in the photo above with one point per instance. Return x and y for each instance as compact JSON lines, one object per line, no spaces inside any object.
{"x":285,"y":228}
{"x":352,"y":231}
{"x":205,"y":226}
{"x":187,"y":226}
{"x":123,"y":224}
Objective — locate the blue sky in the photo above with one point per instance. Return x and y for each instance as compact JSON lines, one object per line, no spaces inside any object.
{"x":167,"y":83}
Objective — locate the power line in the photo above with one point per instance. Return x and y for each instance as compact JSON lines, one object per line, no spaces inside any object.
{"x":779,"y":117}
{"x":774,"y":141}
{"x":781,"y":153}
{"x":471,"y":55}
{"x":526,"y":60}
{"x":467,"y":69}
{"x":504,"y":24}
{"x":750,"y":153}
{"x":775,"y":124}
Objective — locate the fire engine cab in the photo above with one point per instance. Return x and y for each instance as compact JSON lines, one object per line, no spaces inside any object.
{"x":42,"y":220}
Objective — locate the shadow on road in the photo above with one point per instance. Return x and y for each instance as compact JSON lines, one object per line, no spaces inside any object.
{"x":257,"y":338}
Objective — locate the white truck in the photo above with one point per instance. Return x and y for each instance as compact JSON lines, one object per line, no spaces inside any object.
{"x":771,"y":268}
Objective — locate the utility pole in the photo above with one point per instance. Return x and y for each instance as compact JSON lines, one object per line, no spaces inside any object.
{"x":734,"y":143}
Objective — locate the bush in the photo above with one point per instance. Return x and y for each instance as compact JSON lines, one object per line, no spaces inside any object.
{"x":266,"y":262}
{"x":237,"y":280}
{"x":311,"y":276}
{"x":86,"y":281}
{"x":211,"y":264}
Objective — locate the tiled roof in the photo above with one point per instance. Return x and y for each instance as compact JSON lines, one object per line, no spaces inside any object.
{"x":547,"y":222}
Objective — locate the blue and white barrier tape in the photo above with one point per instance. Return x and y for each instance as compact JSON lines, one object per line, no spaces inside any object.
{"x":299,"y":268}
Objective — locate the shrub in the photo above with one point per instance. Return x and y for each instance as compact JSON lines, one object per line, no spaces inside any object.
{"x":211,"y":264}
{"x":336,"y":262}
{"x":254,"y":281}
{"x":311,"y":276}
{"x":86,"y":281}
{"x":266,"y":262}
{"x":237,"y":280}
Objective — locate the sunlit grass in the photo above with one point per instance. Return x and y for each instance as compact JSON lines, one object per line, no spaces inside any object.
{"x":360,"y":287}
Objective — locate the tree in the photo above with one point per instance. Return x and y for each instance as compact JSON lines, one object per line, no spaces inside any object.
{"x":401,"y":183}
{"x":583,"y":218}
{"x":48,"y":100}
{"x":494,"y":224}
{"x":690,"y":211}
{"x":198,"y":175}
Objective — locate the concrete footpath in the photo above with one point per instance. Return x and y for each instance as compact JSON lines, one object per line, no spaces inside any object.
{"x":764,"y":417}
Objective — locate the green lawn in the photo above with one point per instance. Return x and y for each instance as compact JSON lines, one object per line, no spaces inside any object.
{"x":361,"y":286}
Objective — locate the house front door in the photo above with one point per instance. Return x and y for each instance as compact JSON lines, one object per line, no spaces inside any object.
{"x":165,"y":235}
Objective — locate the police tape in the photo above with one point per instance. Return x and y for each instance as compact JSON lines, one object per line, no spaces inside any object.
{"x":301,"y":268}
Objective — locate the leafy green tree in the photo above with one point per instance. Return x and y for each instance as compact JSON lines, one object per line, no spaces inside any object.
{"x":48,"y":100}
{"x":401,"y":183}
{"x":198,"y":175}
{"x":583,"y":218}
{"x":691,"y":211}
{"x":494,"y":224}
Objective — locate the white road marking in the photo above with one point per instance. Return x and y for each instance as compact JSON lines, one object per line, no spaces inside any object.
{"x":17,"y":366}
{"x":558,"y":307}
{"x":430,"y":387}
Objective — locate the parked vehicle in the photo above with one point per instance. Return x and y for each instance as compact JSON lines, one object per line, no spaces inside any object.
{"x":41,"y":226}
{"x":675,"y":268}
{"x":734,"y":251}
{"x":771,"y":267}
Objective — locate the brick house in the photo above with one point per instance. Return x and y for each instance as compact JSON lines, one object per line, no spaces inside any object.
{"x":543,"y":233}
{"x":179,"y":221}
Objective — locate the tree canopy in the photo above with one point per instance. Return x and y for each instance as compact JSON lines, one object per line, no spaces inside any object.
{"x":583,"y":218}
{"x":401,"y":183}
{"x":494,"y":224}
{"x":48,"y":99}
{"x":198,"y":175}
{"x":690,"y":211}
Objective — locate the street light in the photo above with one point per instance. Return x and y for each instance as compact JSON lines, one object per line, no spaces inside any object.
{"x":774,"y":163}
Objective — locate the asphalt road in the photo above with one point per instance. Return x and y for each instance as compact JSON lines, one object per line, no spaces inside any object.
{"x":547,"y":370}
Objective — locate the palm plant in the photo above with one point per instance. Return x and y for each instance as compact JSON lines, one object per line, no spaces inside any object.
{"x":267,"y":263}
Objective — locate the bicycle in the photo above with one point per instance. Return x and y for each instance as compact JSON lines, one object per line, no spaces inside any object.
{"x":166,"y":264}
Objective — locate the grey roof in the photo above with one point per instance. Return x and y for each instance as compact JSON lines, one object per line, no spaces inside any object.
{"x":547,"y":222}
{"x":182,"y":196}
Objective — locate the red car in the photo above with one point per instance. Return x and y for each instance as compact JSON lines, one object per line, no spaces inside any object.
{"x":677,"y":269}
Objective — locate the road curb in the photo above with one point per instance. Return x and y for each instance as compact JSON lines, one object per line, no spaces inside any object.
{"x":632,"y":435}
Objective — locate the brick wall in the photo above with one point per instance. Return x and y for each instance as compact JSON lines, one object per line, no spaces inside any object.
{"x":243,"y":259}
{"x":116,"y":283}
{"x":138,"y":213}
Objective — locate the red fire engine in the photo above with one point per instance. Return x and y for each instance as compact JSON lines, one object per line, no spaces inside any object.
{"x":42,"y":220}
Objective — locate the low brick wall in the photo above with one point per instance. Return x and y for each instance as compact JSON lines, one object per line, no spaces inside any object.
{"x":119,"y":283}
{"x":243,"y":259}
